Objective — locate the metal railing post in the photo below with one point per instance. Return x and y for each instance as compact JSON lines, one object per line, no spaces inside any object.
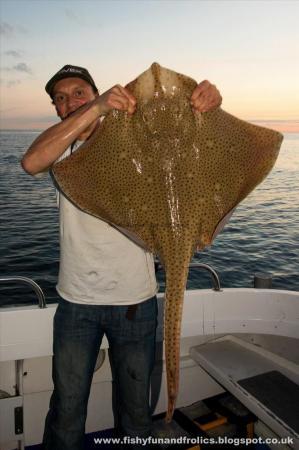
{"x":215,"y":277}
{"x":37,"y":289}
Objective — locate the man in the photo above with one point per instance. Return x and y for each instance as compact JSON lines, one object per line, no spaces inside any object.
{"x":106,"y":282}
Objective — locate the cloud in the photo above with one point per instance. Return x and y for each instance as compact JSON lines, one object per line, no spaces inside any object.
{"x":80,"y":20}
{"x":20,"y":67}
{"x":11,"y":83}
{"x":6,"y":29}
{"x":13,"y":53}
{"x":72,"y":16}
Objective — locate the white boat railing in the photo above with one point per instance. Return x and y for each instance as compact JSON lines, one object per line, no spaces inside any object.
{"x":24,"y":280}
{"x":215,"y":276}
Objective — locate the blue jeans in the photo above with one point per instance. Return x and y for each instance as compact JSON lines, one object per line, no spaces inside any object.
{"x":78,"y":332}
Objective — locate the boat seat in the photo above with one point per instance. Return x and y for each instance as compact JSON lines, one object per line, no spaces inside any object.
{"x":265,"y":383}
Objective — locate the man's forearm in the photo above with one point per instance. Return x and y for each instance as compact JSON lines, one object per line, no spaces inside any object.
{"x":53,"y":142}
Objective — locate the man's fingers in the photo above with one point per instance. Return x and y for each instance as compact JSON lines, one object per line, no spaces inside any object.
{"x":118,"y":103}
{"x":118,"y":100}
{"x":121,"y":99}
{"x":206,"y":106}
{"x":205,"y":97}
{"x":125,"y":93}
{"x":200,"y":88}
{"x":202,"y":101}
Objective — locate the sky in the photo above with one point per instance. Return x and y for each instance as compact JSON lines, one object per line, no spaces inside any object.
{"x":248,"y":48}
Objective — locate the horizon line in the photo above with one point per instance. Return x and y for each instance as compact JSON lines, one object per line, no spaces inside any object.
{"x":281,"y":125}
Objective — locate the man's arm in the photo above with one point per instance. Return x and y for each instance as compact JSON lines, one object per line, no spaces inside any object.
{"x":53,"y":142}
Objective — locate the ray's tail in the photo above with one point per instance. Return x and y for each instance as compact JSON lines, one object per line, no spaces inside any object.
{"x":174,"y":299}
{"x":176,"y":263}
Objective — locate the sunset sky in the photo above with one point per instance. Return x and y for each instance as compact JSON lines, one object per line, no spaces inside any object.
{"x":249,"y":49}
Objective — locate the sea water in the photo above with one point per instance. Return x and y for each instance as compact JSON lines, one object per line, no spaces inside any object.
{"x":261,"y":236}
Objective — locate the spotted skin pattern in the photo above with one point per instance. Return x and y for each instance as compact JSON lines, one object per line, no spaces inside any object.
{"x":169,"y":178}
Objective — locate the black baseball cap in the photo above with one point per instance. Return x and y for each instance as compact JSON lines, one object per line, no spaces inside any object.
{"x":69,"y":71}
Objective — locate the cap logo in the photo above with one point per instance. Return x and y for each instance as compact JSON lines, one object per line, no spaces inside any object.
{"x":71,"y":69}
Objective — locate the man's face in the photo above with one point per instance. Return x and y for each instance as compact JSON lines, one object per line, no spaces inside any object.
{"x":71,"y":93}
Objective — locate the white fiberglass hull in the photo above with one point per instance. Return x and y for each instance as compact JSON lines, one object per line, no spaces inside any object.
{"x":267,"y":318}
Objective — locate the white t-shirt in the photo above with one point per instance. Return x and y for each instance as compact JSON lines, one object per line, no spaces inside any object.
{"x":98,"y":264}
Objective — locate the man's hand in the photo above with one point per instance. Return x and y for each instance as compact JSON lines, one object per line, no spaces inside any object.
{"x":117,"y":97}
{"x":205,"y":97}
